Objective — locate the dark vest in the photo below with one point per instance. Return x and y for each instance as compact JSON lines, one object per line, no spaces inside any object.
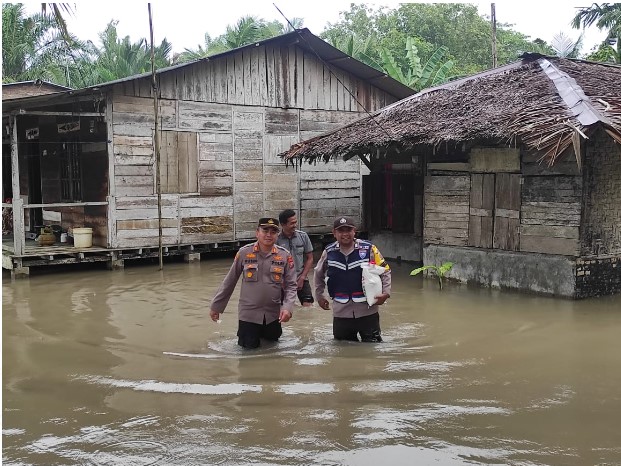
{"x":344,"y":273}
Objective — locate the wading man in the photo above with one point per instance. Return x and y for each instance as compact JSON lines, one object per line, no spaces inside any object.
{"x":299,"y":245}
{"x":341,"y":263}
{"x":268,"y":287}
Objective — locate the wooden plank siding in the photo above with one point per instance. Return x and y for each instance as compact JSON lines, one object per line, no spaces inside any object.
{"x":222,"y":122}
{"x":447,"y":203}
{"x":481,"y":221}
{"x":550,"y":215}
{"x":507,"y":212}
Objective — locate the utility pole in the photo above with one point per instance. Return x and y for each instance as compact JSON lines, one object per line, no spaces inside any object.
{"x":494,"y":54}
{"x":156,"y":143}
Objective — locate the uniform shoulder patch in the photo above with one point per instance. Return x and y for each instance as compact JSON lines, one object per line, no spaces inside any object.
{"x":290,"y":262}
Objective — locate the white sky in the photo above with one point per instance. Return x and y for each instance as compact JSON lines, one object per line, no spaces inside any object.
{"x":184,"y":23}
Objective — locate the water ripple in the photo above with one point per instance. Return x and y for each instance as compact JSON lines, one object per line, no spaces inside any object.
{"x":167,"y":387}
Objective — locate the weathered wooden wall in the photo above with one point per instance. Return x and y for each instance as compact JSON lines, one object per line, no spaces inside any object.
{"x":486,"y":204}
{"x":241,"y":110}
{"x":446,"y":209}
{"x":551,"y":206}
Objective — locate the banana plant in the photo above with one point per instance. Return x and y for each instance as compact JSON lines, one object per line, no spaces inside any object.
{"x":417,"y":76}
{"x":439,"y":271}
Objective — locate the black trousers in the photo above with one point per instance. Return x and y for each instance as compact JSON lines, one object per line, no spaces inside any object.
{"x":249,"y":334}
{"x":305,"y":294}
{"x":348,"y":328}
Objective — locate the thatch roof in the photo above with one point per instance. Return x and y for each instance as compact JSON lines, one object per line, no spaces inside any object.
{"x":546,"y":103}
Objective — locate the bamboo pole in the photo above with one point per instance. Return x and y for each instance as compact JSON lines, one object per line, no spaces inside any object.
{"x":156,"y":143}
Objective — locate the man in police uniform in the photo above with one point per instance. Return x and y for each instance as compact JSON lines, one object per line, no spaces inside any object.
{"x":268,"y":287}
{"x":299,"y":245}
{"x":341,"y":262}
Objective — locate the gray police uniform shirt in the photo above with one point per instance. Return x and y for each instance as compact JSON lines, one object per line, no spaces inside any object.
{"x":264,"y":278}
{"x":298,"y":245}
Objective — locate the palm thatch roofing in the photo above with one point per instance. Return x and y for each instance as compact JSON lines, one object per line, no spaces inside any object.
{"x":548,"y":104}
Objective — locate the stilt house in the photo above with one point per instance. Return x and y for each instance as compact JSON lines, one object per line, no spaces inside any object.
{"x":86,"y":158}
{"x":514,"y":175}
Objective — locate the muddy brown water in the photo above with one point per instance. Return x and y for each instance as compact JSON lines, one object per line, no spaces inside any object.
{"x":125,"y":368}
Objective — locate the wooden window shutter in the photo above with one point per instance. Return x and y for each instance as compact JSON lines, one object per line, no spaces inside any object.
{"x":507,"y":212}
{"x":179,"y":162}
{"x":481,"y":221}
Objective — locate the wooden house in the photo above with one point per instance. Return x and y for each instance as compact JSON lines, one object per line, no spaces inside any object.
{"x":86,"y":158}
{"x":514,"y":175}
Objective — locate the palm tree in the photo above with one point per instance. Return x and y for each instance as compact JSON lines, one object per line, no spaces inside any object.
{"x":30,"y":45}
{"x":118,"y":58}
{"x":604,"y":16}
{"x":360,"y":49}
{"x":57,"y":11}
{"x":247,"y":30}
{"x":565,"y":47}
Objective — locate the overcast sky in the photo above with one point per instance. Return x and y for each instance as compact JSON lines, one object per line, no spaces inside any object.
{"x":184,"y":23}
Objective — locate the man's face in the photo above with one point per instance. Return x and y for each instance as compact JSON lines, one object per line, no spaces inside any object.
{"x":289,"y":228}
{"x":344,"y":236}
{"x":267,"y":236}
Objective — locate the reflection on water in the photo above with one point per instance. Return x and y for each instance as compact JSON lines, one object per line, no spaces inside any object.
{"x":127,"y":368}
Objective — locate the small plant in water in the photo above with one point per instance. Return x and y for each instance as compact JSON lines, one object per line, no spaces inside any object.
{"x":440,"y":271}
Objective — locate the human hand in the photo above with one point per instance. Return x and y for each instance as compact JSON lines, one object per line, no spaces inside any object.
{"x":323,"y":303}
{"x":284,"y":316}
{"x":381,"y":298}
{"x":300,"y":282}
{"x":215,"y":315}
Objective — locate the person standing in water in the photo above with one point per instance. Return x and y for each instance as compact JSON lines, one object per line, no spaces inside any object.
{"x":299,"y":245}
{"x":268,"y":287}
{"x":341,"y":263}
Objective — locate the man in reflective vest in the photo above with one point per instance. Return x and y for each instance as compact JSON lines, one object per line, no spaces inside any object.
{"x":341,"y":263}
{"x":268,"y":287}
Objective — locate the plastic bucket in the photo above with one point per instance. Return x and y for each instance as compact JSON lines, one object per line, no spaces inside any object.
{"x":82,"y":237}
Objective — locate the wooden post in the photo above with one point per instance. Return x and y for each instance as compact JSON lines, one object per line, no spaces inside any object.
{"x":494,"y":53}
{"x":19,"y":238}
{"x":156,"y":143}
{"x":111,"y":198}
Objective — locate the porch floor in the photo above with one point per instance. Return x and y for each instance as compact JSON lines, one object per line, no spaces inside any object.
{"x":59,"y":253}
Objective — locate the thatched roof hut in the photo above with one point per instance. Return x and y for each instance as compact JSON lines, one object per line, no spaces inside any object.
{"x":548,"y":104}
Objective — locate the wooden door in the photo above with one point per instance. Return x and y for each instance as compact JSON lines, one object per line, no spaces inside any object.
{"x":481,"y":221}
{"x":507,"y":212}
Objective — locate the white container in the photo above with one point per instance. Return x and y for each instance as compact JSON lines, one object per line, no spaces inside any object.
{"x":82,"y":237}
{"x":63,"y":237}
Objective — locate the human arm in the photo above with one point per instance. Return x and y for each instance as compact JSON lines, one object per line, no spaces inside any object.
{"x":308,"y":265}
{"x":308,"y":260}
{"x":222,"y":296}
{"x":319,"y":280}
{"x":289,"y":290}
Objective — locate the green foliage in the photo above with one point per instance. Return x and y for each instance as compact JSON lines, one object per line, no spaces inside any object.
{"x":455,"y":26}
{"x":435,"y":71}
{"x":439,"y":271}
{"x":363,"y":50}
{"x":27,"y":43}
{"x":247,"y":30}
{"x":606,"y":16}
{"x":564,"y":46}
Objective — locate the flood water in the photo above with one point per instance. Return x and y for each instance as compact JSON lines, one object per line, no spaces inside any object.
{"x":126,"y":368}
